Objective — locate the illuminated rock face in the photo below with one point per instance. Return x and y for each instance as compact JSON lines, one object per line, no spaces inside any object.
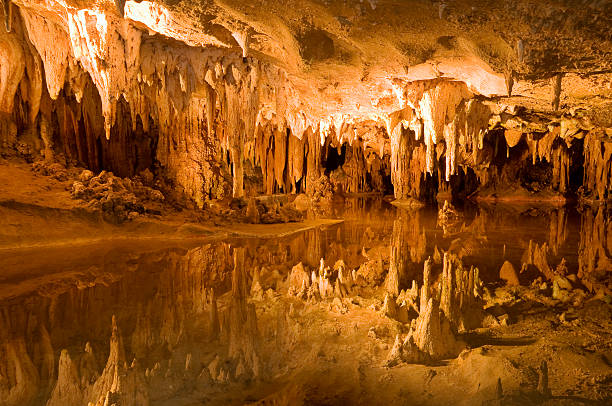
{"x":244,"y":89}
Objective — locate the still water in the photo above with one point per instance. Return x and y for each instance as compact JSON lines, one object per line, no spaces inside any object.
{"x":180,"y":318}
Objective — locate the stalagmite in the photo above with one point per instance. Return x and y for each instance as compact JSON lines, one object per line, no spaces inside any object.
{"x":406,"y":351}
{"x":433,"y":333}
{"x":537,"y":255}
{"x":67,"y":390}
{"x":297,"y":279}
{"x":425,"y":289}
{"x":508,"y":273}
{"x":389,"y":307}
{"x":459,"y":295}
{"x":392,"y":280}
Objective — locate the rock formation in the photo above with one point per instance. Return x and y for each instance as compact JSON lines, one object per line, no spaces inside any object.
{"x":188,"y":117}
{"x":208,"y":104}
{"x":456,"y":307}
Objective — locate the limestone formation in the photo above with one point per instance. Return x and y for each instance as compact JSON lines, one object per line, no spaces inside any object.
{"x":186,"y":97}
{"x":18,"y":387}
{"x":149,"y":132}
{"x":68,"y":389}
{"x":508,"y":273}
{"x":433,"y":334}
{"x":298,"y":279}
{"x":456,"y":307}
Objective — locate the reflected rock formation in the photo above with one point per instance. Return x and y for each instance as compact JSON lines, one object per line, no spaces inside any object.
{"x":305,"y":202}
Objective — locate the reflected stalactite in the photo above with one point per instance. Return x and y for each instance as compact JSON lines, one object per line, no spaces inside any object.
{"x":68,"y":389}
{"x":408,"y":245}
{"x":595,"y":250}
{"x":224,"y":314}
{"x":244,"y":338}
{"x":558,"y":229}
{"x":19,"y":378}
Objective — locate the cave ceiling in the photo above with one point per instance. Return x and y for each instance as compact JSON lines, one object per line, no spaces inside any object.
{"x":355,"y":57}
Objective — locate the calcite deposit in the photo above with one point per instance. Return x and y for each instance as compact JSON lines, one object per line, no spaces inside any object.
{"x":305,"y":202}
{"x":206,"y":101}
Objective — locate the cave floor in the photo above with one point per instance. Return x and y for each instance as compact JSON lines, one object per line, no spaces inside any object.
{"x":177,"y":290}
{"x":329,"y":351}
{"x":37,"y":210}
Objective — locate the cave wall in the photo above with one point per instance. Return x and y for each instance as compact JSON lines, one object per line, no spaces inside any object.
{"x":92,"y":89}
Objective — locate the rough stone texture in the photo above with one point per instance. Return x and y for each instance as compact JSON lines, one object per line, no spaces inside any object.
{"x":141,"y":84}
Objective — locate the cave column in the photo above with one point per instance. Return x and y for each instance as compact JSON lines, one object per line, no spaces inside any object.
{"x":399,"y":160}
{"x":238,"y":169}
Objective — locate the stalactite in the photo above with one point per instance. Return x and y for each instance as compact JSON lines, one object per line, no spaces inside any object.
{"x":8,"y":14}
{"x":407,"y":164}
{"x":561,"y":167}
{"x":313,"y":159}
{"x":12,"y":67}
{"x":597,"y":166}
{"x":198,"y":103}
{"x":295,"y":158}
{"x":280,"y":157}
{"x":437,"y":107}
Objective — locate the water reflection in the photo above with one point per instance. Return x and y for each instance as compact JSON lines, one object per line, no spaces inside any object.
{"x":144,"y":326}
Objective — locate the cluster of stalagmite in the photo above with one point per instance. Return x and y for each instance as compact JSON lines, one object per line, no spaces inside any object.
{"x":324,"y":282}
{"x":118,"y":383}
{"x":435,"y":313}
{"x":453,"y":307}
